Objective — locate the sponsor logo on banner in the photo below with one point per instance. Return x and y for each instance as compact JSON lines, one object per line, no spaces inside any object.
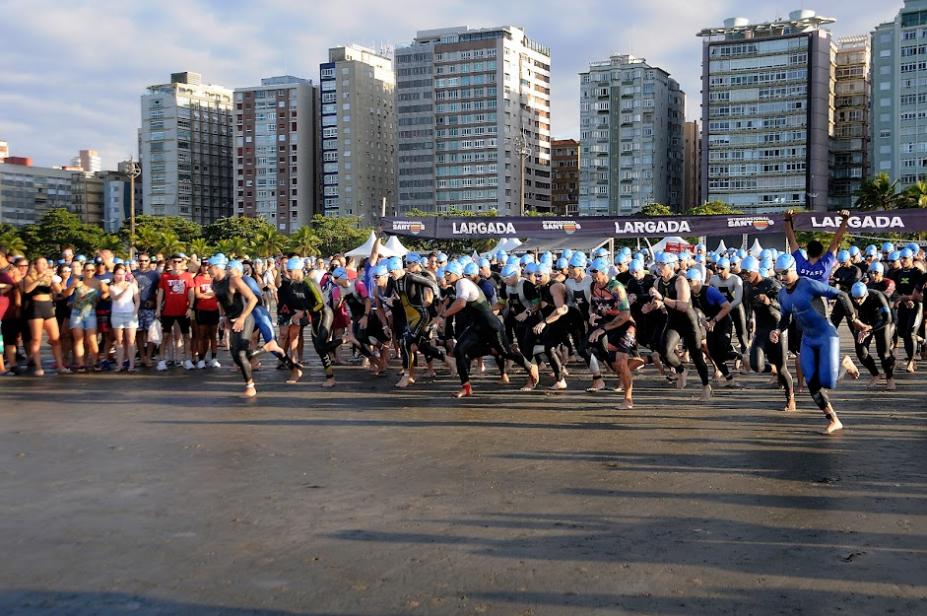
{"x":412,"y":226}
{"x":651,"y":227}
{"x":567,"y":226}
{"x":859,"y":222}
{"x":760,"y":223}
{"x":483,"y":228}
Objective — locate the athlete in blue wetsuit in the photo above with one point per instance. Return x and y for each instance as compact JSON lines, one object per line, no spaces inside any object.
{"x":803,"y":299}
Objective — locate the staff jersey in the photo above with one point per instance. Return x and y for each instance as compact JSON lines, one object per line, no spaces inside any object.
{"x":819,"y":270}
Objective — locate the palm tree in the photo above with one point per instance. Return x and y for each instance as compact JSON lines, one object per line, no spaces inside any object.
{"x":169,"y":244}
{"x":879,"y":193}
{"x":199,"y":247}
{"x":147,"y":238}
{"x":12,"y":242}
{"x":916,"y":195}
{"x":232,"y":247}
{"x":268,"y":241}
{"x":304,"y":242}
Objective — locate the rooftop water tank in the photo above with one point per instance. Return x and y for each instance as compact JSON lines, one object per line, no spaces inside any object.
{"x":801,"y":14}
{"x":736,"y":22}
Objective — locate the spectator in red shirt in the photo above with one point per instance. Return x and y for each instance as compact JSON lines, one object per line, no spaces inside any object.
{"x":175,"y":307}
{"x":206,"y":319}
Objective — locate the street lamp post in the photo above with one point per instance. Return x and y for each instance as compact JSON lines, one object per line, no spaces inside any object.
{"x":134,"y":170}
{"x":523,"y":149}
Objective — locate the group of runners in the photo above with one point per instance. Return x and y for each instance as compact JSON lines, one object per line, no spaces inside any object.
{"x":722,"y":314}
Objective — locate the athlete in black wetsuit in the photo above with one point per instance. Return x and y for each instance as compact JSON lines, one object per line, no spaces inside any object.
{"x":483,"y":333}
{"x":907,"y":302}
{"x":875,"y":311}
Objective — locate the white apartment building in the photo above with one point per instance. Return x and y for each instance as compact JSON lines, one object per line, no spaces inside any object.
{"x":471,"y":103}
{"x":275,"y":152}
{"x":186,"y":149}
{"x":631,"y":119}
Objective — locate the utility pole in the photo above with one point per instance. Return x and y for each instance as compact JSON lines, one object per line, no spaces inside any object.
{"x":134,"y":170}
{"x":523,"y":149}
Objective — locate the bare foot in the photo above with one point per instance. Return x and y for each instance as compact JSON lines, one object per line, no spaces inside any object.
{"x":404,"y":382}
{"x":790,"y":406}
{"x":504,"y":379}
{"x":911,"y":368}
{"x":681,"y":379}
{"x":249,"y":392}
{"x":874,"y":381}
{"x":558,"y":386}
{"x":295,"y":375}
{"x":833,"y":426}
{"x":329,"y":382}
{"x":706,"y":393}
{"x":851,"y":369}
{"x":635,"y":364}
{"x":465,"y":391}
{"x":597,"y":385}
{"x":890,"y":385}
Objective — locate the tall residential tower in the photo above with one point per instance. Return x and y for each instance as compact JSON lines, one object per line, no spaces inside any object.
{"x":850,"y":147}
{"x":185,"y":147}
{"x":358,"y":133}
{"x":472,"y":106}
{"x":899,"y":95}
{"x":631,"y":117}
{"x":275,"y":152}
{"x":767,"y":113}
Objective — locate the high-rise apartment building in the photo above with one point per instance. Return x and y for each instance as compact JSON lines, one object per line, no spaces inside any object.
{"x":899,"y":95}
{"x":565,"y":178}
{"x":358,"y":133}
{"x":767,"y":113}
{"x":850,"y":146}
{"x":186,"y":149}
{"x":27,"y":192}
{"x":87,"y":160}
{"x":692,"y":165}
{"x":116,"y":197}
{"x":631,"y":117}
{"x":472,"y":104}
{"x":275,"y":152}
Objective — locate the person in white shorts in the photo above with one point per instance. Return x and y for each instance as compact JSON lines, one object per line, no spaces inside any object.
{"x":126,"y":302}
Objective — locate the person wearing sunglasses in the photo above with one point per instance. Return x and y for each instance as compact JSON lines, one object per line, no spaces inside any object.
{"x":146,"y":277}
{"x":38,"y":287}
{"x":875,"y":311}
{"x":86,"y":293}
{"x":800,"y":300}
{"x":174,"y":306}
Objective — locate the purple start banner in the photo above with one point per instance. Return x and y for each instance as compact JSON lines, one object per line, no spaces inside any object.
{"x":429,"y":227}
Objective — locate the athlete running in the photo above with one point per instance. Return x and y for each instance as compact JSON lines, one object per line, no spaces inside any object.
{"x":875,"y":311}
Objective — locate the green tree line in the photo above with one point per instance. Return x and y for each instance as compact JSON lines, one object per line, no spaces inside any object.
{"x":234,"y":236}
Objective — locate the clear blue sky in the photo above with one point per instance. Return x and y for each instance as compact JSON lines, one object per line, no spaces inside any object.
{"x":71,"y":73}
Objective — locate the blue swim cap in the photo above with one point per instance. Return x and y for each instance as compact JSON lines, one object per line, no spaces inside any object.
{"x":235,"y":264}
{"x":843,"y":256}
{"x":854,"y":251}
{"x":906,"y":253}
{"x":750,"y":264}
{"x":859,"y":290}
{"x":666,"y":258}
{"x":442,"y":258}
{"x":294,"y":263}
{"x":394,"y":264}
{"x":887,"y":247}
{"x":412,"y":257}
{"x":699,"y":258}
{"x":876,"y":268}
{"x":218,"y":260}
{"x":510,"y":270}
{"x":694,"y":275}
{"x":532,"y":268}
{"x":724,"y":264}
{"x":622,"y":257}
{"x":471,"y":269}
{"x":741,"y":253}
{"x":544,"y":268}
{"x":526,"y":259}
{"x":380,"y":270}
{"x":599,"y":264}
{"x":871,"y":250}
{"x":894,"y":255}
{"x":636,"y":266}
{"x":578,"y":260}
{"x":340,"y":272}
{"x":785,"y":262}
{"x":913,"y":247}
{"x":765,"y":266}
{"x":562,"y":263}
{"x":453,"y":268}
{"x":484,"y":263}
{"x":512,"y":260}
{"x":567,"y":253}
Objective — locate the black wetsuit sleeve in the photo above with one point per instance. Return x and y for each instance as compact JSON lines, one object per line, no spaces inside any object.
{"x":848,"y":307}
